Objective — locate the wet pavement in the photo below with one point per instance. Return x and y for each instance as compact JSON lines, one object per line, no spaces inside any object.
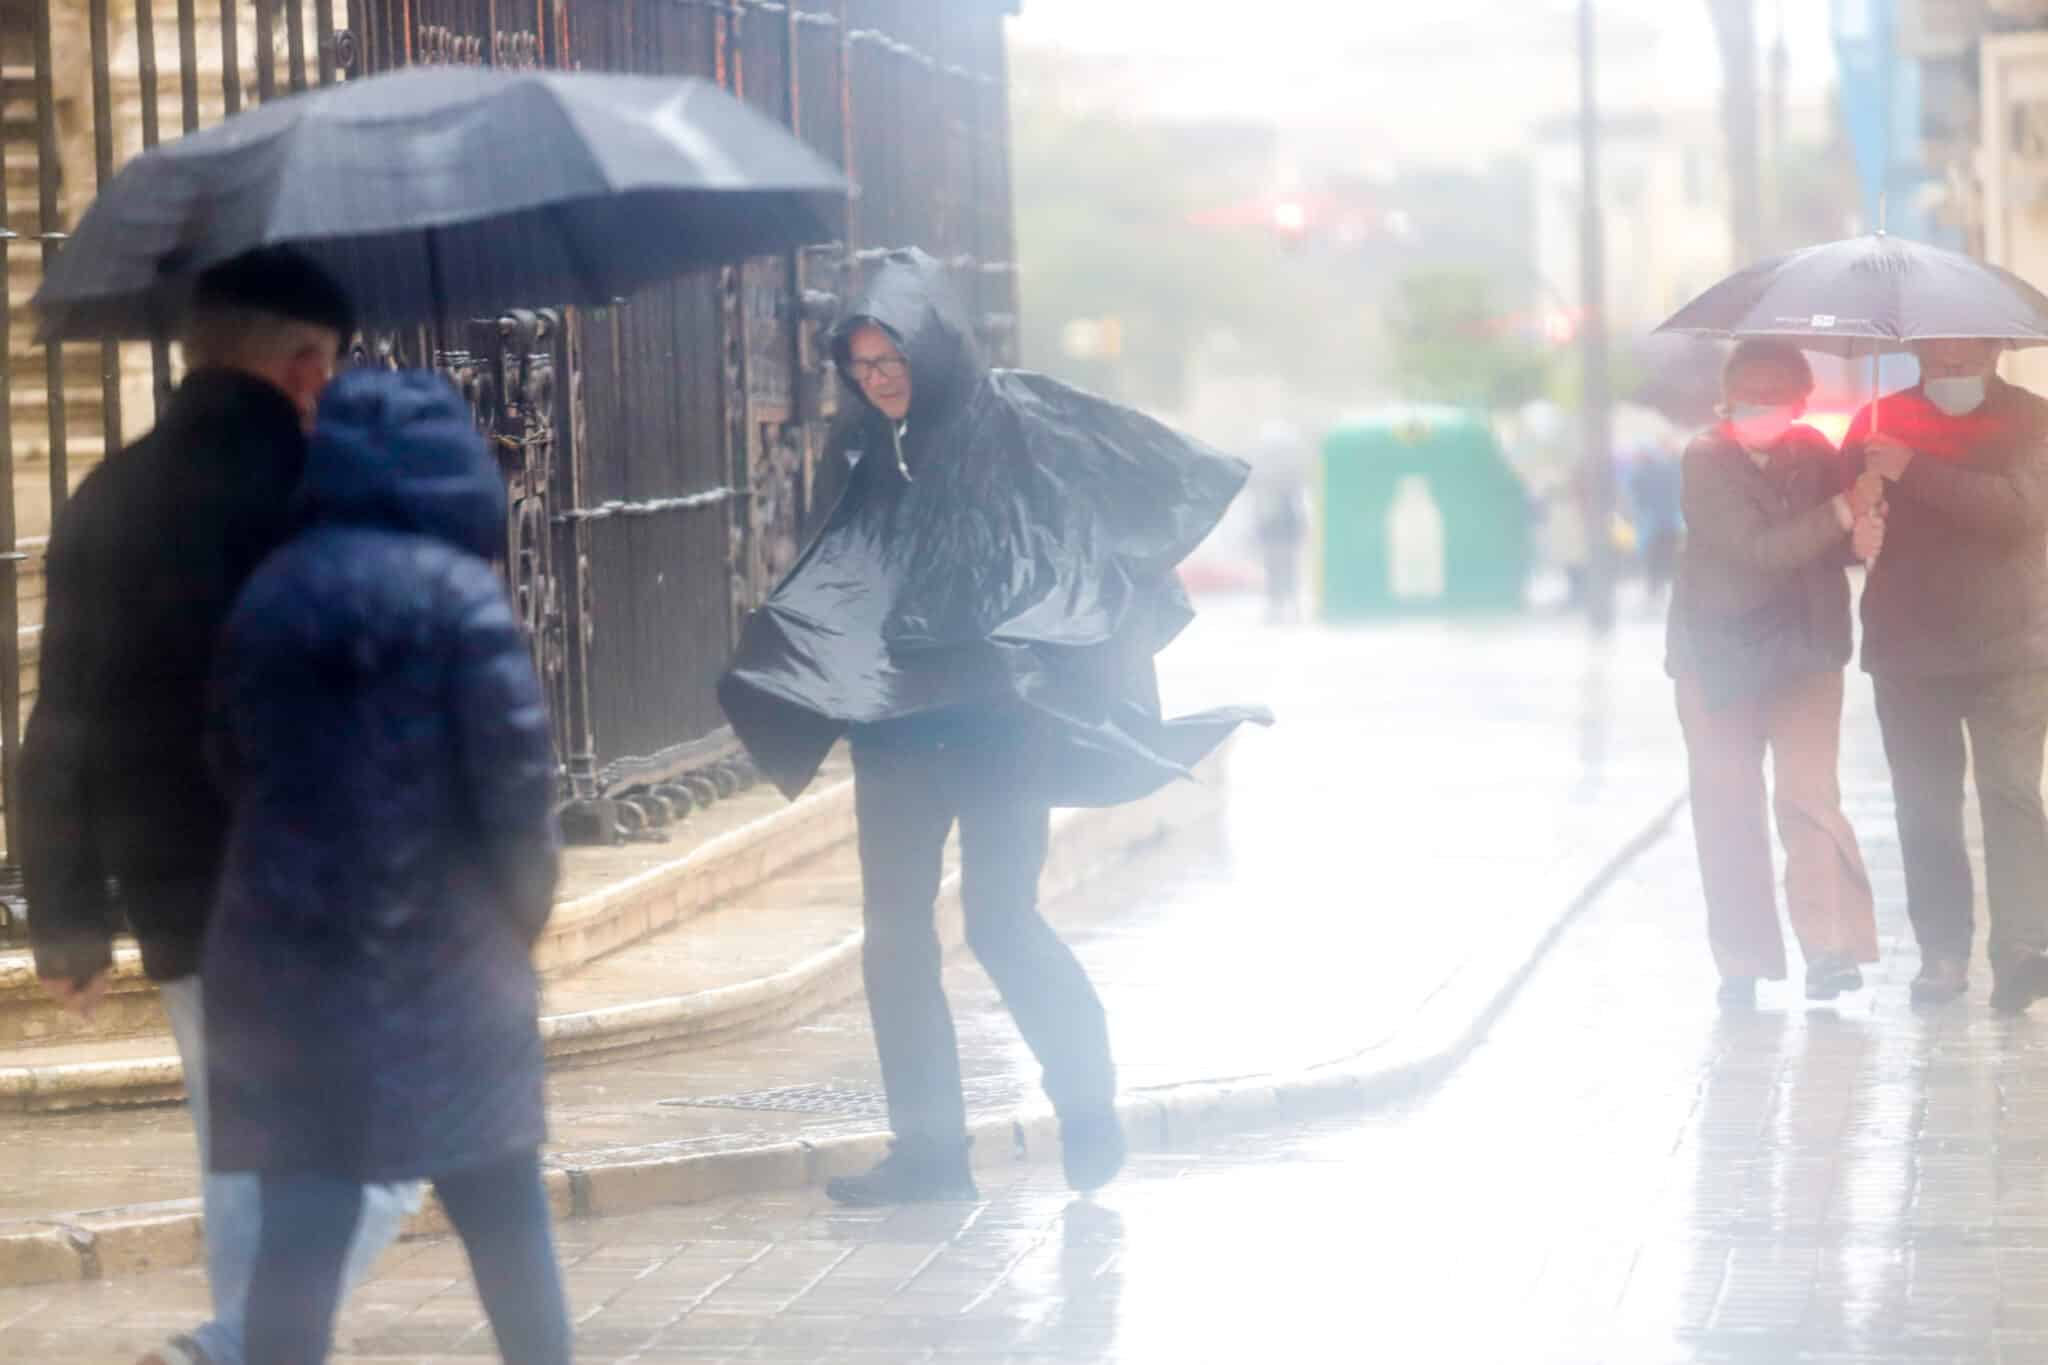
{"x":1309,"y":925}
{"x":1619,"y":1174}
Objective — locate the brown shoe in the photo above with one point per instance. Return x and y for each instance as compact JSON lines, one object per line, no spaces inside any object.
{"x":2020,"y":982}
{"x":1941,"y":979}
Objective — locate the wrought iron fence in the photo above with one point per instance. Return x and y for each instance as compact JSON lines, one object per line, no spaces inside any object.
{"x":661,"y":453}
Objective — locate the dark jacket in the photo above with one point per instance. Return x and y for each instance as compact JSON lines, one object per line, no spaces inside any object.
{"x":1762,"y":597}
{"x":144,"y":563}
{"x":371,"y":1003}
{"x":1962,"y":586}
{"x":1010,"y":549}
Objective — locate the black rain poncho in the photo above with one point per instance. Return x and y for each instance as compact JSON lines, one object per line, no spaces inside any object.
{"x":1005,"y":555}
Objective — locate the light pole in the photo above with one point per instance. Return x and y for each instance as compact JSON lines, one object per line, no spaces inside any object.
{"x":1598,"y":470}
{"x":1735,"y":28}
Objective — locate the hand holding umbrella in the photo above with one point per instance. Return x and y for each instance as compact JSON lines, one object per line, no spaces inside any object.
{"x":1865,"y":499}
{"x":1885,"y":461}
{"x":1887,"y":457}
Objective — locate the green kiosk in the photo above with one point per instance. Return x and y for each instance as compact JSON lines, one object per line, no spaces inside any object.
{"x":1420,"y":514}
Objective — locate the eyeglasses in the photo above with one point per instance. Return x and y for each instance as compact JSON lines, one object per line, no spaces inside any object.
{"x":887,"y":367}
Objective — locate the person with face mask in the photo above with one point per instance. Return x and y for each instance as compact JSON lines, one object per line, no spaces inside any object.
{"x":1758,"y":637}
{"x":1955,"y":638}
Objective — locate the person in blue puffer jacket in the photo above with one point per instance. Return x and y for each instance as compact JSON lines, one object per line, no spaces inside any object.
{"x":371,"y":1001}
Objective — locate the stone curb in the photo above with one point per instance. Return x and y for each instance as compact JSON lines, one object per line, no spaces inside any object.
{"x":655,"y":901}
{"x":614,"y":916}
{"x":580,"y":930}
{"x":104,"y":1243}
{"x":1422,"y":1053}
{"x":1081,"y":842}
{"x":1425,"y":1050}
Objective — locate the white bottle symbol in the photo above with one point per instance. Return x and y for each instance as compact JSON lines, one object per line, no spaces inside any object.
{"x":1415,"y":542}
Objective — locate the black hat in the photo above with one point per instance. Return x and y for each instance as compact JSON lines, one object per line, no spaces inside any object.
{"x":280,"y":281}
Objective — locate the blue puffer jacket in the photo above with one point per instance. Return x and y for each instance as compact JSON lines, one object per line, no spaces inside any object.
{"x":371,"y":1003}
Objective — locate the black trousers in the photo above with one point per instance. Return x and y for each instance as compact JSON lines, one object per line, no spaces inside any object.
{"x":2005,"y":717}
{"x":909,"y":791}
{"x":501,"y":1213}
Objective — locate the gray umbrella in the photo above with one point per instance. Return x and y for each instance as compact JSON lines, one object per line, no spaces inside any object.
{"x":1864,"y":295}
{"x":443,"y":191}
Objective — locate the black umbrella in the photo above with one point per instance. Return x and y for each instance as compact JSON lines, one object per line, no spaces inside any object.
{"x":1679,"y":376}
{"x":444,"y":191}
{"x":1865,"y":295}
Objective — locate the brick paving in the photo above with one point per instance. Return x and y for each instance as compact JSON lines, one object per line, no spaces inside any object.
{"x":1559,"y":1183}
{"x":1550,"y":752}
{"x":1620,"y":1174}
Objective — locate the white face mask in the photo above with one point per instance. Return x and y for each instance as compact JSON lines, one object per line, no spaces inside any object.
{"x":1956,"y":395}
{"x":1760,"y":425}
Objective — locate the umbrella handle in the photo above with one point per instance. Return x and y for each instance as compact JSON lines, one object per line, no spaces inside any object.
{"x":1876,"y":424}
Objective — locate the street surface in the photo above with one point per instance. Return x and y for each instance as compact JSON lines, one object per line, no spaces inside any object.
{"x":1619,"y":1174}
{"x":1427,"y":785}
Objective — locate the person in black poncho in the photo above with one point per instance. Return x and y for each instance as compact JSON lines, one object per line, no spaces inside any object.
{"x":979,"y":613}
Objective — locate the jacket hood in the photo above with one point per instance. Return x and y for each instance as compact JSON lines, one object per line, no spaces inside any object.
{"x":910,"y":297}
{"x":399,"y":450}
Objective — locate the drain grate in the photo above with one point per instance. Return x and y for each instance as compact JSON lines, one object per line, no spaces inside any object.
{"x":841,"y":1101}
{"x":857,"y":1101}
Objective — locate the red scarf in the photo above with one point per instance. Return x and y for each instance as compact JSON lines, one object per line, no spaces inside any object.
{"x":1908,"y":418}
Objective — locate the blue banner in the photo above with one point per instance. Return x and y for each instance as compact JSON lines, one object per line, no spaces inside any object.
{"x":1880,"y":92}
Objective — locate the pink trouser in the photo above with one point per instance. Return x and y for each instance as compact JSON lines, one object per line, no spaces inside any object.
{"x":1827,"y":890}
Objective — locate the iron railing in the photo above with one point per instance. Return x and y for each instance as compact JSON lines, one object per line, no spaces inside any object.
{"x":661,"y":453}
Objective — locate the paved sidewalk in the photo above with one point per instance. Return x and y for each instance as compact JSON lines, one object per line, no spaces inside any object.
{"x":1620,"y":1175}
{"x":1334,"y":903}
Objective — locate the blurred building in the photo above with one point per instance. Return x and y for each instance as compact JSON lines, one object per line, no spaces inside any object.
{"x":1664,"y":174}
{"x":1666,"y":194}
{"x":1982,"y":121}
{"x":1908,"y":91}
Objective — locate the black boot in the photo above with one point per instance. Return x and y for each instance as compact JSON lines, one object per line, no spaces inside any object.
{"x":1092,"y":1149}
{"x":1829,"y":974}
{"x":917,"y":1170}
{"x":1737,"y":993}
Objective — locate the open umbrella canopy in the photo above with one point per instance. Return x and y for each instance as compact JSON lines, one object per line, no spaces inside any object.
{"x":1864,"y":295}
{"x":1679,"y":376}
{"x":448,"y":191}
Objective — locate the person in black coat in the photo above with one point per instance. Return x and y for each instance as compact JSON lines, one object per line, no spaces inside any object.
{"x":979,"y":616}
{"x":119,"y":820}
{"x":371,"y":1002}
{"x":144,"y":563}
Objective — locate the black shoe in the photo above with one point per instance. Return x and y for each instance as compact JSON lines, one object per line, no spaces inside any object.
{"x":1092,"y":1149}
{"x":1829,"y":974}
{"x":1941,"y":979}
{"x":916,"y":1171}
{"x":2019,"y":983}
{"x":1737,"y":993}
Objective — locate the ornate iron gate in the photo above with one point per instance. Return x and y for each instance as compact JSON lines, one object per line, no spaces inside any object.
{"x":511,"y":369}
{"x":660,"y":454}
